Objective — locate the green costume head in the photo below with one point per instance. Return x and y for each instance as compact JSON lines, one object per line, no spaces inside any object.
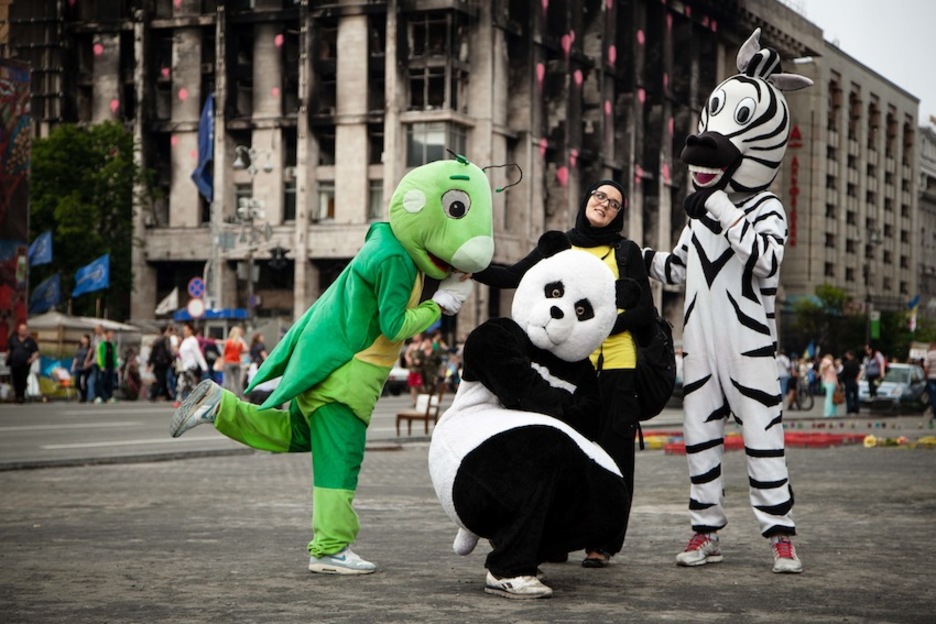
{"x":441,"y":214}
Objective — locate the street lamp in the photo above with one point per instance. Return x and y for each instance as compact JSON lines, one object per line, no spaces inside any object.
{"x":249,"y":211}
{"x":874,"y":239}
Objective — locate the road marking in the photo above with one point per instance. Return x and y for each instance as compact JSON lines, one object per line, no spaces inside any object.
{"x":58,"y":447}
{"x":115,"y":410}
{"x":57,"y":427}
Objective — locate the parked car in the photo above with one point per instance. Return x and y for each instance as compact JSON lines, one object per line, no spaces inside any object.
{"x":396,"y":382}
{"x":903,"y":389}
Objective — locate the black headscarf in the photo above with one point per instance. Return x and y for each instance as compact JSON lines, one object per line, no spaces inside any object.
{"x":584,"y":234}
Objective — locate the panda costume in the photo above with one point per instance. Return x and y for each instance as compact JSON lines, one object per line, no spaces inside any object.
{"x":511,"y":460}
{"x":729,"y":257}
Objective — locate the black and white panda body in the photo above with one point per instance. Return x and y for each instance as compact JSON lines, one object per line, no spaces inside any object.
{"x":508,"y":460}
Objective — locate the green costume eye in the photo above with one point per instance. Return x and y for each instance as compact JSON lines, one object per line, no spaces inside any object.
{"x":456,"y":203}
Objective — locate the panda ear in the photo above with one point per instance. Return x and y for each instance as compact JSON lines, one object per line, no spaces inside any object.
{"x":552,"y":242}
{"x":627,"y":292}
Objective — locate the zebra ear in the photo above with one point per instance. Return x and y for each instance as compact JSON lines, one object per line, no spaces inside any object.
{"x":789,"y":82}
{"x":748,"y":50}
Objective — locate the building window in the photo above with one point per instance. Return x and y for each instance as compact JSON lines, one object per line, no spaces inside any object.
{"x":830,"y":182}
{"x":851,"y":217}
{"x":904,"y":289}
{"x":325,"y":208}
{"x":427,"y":142}
{"x":242,"y":193}
{"x":375,"y":208}
{"x":904,"y":262}
{"x":438,"y":57}
{"x":830,"y":211}
{"x":831,"y":152}
{"x":375,"y":139}
{"x":829,"y":269}
{"x":852,"y":162}
{"x":289,"y":200}
{"x":830,"y":240}
{"x":887,"y":257}
{"x":849,"y":275}
{"x":851,"y":190}
{"x":904,"y":236}
{"x":850,"y":246}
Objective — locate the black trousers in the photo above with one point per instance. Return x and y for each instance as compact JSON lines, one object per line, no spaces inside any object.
{"x":535,"y":494}
{"x":20,"y":374}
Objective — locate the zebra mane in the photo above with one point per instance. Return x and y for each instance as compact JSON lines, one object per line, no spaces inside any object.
{"x":764,"y":63}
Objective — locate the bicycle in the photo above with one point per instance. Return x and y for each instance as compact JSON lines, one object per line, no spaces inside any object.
{"x":803,"y":399}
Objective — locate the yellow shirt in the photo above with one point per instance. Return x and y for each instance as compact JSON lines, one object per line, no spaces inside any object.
{"x":619,"y":350}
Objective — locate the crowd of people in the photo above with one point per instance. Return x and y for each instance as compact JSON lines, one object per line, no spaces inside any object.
{"x":838,"y":378}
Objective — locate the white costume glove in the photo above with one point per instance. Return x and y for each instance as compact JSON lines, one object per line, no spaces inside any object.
{"x":452,"y":293}
{"x":722,"y":208}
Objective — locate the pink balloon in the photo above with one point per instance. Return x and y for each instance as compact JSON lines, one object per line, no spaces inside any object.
{"x":578,"y":77}
{"x":114,"y":105}
{"x":278,"y":40}
{"x":641,"y":38}
{"x":666,"y":172}
{"x":566,"y":44}
{"x":671,"y":125}
{"x":545,"y":5}
{"x":609,"y":4}
{"x":174,"y":140}
{"x":183,"y":94}
{"x":193,"y":155}
{"x":665,"y":81}
{"x":98,"y":49}
{"x":705,"y":21}
{"x":540,"y":73}
{"x":638,"y":173}
{"x":165,"y":72}
{"x":612,"y":54}
{"x":687,"y":10}
{"x":573,"y":157}
{"x":274,"y":92}
{"x":669,"y":21}
{"x":607,"y":107}
{"x":178,"y":3}
{"x":562,"y":174}
{"x":714,"y":26}
{"x":72,"y":2}
{"x":641,"y":95}
{"x":543,"y":144}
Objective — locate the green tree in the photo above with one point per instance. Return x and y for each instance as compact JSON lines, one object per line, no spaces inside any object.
{"x":82,"y":188}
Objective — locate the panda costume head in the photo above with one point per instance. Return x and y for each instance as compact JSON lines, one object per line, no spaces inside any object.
{"x":566,"y":304}
{"x":527,"y":395}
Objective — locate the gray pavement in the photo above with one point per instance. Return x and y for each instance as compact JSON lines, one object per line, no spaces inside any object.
{"x":222,"y":539}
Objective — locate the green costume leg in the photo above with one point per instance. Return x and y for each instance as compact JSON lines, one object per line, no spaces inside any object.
{"x":265,"y":429}
{"x":337,"y":439}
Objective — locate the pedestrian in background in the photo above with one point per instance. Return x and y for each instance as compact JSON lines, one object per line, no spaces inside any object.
{"x":851,"y":373}
{"x":192,"y":364}
{"x":106,"y":368}
{"x":929,"y":366}
{"x":91,"y":363}
{"x":234,"y":347}
{"x":783,"y":372}
{"x":874,"y":369}
{"x":23,"y":352}
{"x":829,"y":378}
{"x":79,"y":370}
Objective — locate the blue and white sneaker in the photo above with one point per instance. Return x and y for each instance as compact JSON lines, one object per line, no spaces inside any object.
{"x":342,"y":562}
{"x":199,"y":408}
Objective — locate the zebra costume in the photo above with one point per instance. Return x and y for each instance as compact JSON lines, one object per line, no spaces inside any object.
{"x":729,"y":257}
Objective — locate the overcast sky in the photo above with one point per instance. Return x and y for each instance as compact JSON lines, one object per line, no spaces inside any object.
{"x":892,"y":37}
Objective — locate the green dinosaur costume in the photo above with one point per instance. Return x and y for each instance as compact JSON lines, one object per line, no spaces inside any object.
{"x":335,"y":359}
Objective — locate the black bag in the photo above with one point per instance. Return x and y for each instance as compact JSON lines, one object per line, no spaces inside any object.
{"x":655,"y":375}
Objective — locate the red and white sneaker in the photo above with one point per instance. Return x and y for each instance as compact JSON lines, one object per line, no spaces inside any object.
{"x":702,"y":549}
{"x":784,"y":555}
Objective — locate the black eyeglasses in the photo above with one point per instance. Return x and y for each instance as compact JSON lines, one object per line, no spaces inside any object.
{"x":614,"y":204}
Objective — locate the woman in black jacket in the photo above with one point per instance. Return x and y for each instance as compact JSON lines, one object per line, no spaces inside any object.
{"x":597,"y":230}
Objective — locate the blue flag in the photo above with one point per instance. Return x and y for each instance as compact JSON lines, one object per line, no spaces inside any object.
{"x":40,"y":252}
{"x":46,"y":295}
{"x":94,"y":276}
{"x":202,"y":176}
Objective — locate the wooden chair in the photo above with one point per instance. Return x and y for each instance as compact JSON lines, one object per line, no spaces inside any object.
{"x":427,"y":409}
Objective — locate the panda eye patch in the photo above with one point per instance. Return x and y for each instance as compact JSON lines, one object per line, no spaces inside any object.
{"x":584,"y":310}
{"x":554,"y":290}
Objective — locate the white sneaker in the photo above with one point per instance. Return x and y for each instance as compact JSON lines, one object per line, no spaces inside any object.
{"x":199,"y":408}
{"x":702,"y":549}
{"x":342,"y":562}
{"x":785,"y":559}
{"x":517,"y":588}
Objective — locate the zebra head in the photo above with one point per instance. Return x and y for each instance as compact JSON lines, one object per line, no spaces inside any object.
{"x":744,"y":126}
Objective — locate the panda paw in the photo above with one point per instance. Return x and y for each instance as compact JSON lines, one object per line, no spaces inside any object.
{"x":552,"y":242}
{"x":465,"y":542}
